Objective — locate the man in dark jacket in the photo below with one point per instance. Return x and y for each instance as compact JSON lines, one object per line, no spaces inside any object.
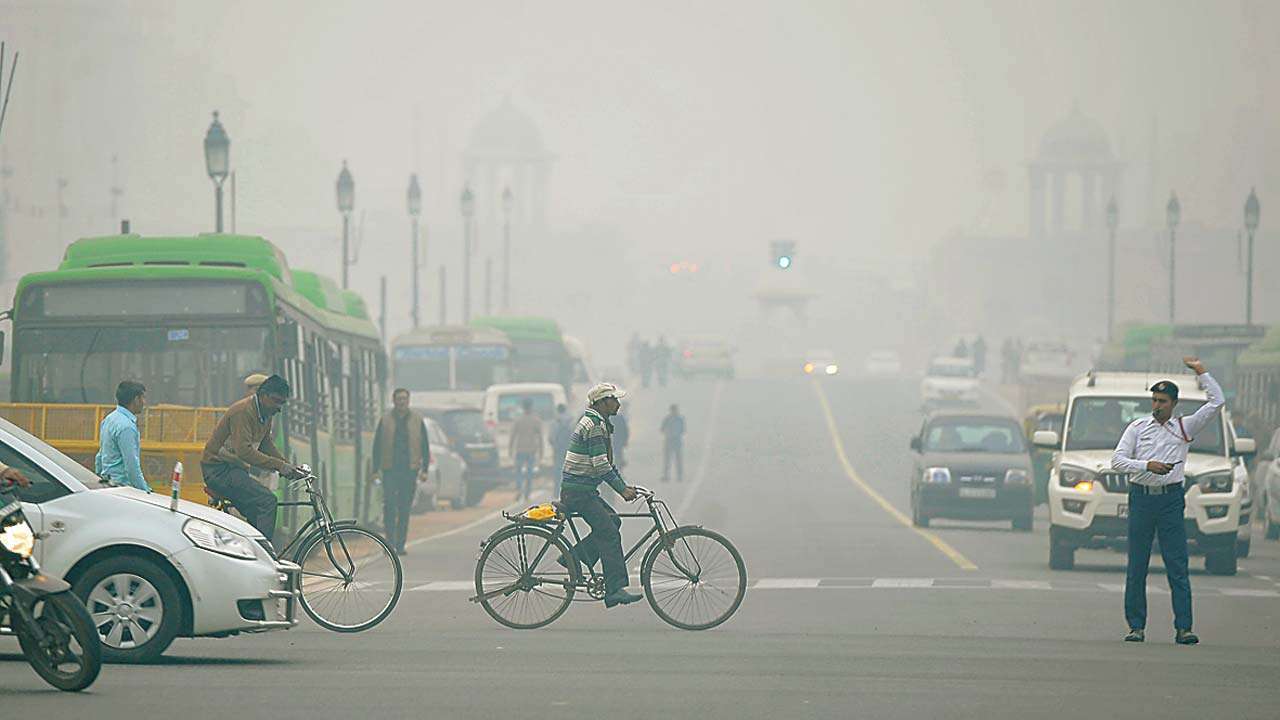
{"x":401,"y":453}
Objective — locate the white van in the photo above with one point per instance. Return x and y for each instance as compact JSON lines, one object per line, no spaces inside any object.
{"x":1088,"y":501}
{"x":504,"y":403}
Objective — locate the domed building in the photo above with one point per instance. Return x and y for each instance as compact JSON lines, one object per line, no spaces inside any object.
{"x":506,"y":151}
{"x":1075,"y":156}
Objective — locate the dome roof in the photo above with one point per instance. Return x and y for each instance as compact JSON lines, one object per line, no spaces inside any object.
{"x":1076,"y":137}
{"x":506,"y":131}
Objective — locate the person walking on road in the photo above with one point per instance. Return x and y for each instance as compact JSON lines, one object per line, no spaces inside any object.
{"x":561,"y":433}
{"x":525,"y":448}
{"x":241,"y":441}
{"x":673,"y":444}
{"x":644,"y":357}
{"x":1153,"y":450}
{"x":662,"y":360}
{"x":119,"y":457}
{"x":402,"y":454}
{"x":588,"y":463}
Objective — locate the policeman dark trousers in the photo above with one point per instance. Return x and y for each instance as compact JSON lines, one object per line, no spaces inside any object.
{"x":256,"y":503}
{"x":1149,"y":516}
{"x":398,"y":488}
{"x":605,"y":541}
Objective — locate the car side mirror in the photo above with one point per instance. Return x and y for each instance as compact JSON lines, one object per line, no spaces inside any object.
{"x":915,"y":443}
{"x":1045,"y":439}
{"x":1245,"y":447}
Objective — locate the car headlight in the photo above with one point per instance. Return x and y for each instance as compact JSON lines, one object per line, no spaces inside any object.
{"x":217,"y":539}
{"x":937,"y":475}
{"x":1074,"y":477}
{"x":1017,"y":476}
{"x":18,"y":539}
{"x":1218,"y":482}
{"x":832,"y":369}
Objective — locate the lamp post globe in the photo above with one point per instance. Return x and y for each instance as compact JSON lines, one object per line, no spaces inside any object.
{"x":1252,"y":211}
{"x":217,"y":162}
{"x":346,"y":190}
{"x":1113,"y":215}
{"x":1173,"y":211}
{"x":468,"y":202}
{"x":508,"y":200}
{"x":414,"y":196}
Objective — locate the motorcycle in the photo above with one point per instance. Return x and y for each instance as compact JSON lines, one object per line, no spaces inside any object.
{"x":55,"y":630}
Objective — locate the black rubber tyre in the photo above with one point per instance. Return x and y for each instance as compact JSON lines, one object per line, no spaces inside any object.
{"x":511,"y":598}
{"x":705,"y":553}
{"x":72,"y":656}
{"x":1243,"y":547}
{"x":475,"y":493}
{"x":1024,"y":523}
{"x":144,"y":594}
{"x":1061,"y":556}
{"x":1221,"y":562}
{"x":918,"y":518}
{"x":373,"y":566}
{"x":1273,"y":528}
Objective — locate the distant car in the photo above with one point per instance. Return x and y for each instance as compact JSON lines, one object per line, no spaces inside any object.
{"x":1048,"y":360}
{"x":446,"y":473}
{"x":705,"y":356}
{"x":820,"y":362}
{"x":1268,"y":473}
{"x":504,"y":403}
{"x":949,"y":380}
{"x":465,"y":429}
{"x":971,"y":466}
{"x":884,"y":363}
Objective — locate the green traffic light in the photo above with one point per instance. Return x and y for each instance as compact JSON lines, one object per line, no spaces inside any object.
{"x":784,"y":262}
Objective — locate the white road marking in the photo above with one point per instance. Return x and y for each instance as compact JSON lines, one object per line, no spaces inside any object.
{"x":444,"y":586}
{"x":533,"y":499}
{"x":1248,"y":592}
{"x":902,"y":583}
{"x":1112,"y":587}
{"x":1020,"y":585}
{"x":786,"y":583}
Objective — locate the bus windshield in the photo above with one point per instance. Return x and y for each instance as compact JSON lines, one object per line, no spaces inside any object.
{"x":420,"y":368}
{"x":540,"y":361}
{"x":179,"y":363}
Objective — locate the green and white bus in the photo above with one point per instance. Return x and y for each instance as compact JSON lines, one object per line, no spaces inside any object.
{"x":539,"y":353}
{"x":190,"y":317}
{"x":449,"y":365}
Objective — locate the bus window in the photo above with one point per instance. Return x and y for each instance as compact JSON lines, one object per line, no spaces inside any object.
{"x":421,"y":368}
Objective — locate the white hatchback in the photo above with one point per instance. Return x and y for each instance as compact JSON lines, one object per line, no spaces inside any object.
{"x":148,"y":574}
{"x":949,"y":380}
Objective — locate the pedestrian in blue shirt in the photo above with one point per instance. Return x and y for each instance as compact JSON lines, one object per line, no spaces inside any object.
{"x":119,"y":458}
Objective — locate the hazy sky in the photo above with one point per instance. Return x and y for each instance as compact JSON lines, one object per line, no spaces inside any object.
{"x":859,"y":129}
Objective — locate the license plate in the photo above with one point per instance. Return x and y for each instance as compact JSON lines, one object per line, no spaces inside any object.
{"x":983,"y":493}
{"x":1122,"y":511}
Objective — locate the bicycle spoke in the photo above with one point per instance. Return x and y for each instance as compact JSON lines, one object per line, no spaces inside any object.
{"x":351,"y":580}
{"x":696,"y":581}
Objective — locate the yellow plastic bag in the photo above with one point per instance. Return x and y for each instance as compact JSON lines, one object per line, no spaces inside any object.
{"x":545,"y":511}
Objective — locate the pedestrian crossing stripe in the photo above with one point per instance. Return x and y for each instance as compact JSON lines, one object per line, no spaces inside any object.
{"x":947,"y":583}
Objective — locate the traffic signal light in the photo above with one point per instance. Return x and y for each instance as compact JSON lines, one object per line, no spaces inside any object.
{"x":783,"y":254}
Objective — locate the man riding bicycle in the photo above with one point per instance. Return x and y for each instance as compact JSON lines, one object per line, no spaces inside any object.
{"x":589,"y":462}
{"x":241,"y":441}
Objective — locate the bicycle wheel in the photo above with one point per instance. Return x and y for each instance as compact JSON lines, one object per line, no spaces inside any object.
{"x":351,"y":579}
{"x":693,"y":579}
{"x":517,"y":587}
{"x":70,"y":656}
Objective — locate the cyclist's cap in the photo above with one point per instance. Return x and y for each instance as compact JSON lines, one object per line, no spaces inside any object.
{"x":1166,"y":387}
{"x":604,"y":390}
{"x":275,"y":385}
{"x":255,"y":380}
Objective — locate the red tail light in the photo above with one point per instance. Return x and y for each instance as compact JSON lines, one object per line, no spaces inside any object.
{"x":688,"y":353}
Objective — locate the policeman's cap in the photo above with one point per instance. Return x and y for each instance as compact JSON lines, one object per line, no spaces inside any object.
{"x":1166,"y":387}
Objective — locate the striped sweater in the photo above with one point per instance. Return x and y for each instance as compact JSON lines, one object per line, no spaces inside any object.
{"x":589,"y":460}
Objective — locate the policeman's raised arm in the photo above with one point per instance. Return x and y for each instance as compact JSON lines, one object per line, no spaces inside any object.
{"x":1198,"y":420}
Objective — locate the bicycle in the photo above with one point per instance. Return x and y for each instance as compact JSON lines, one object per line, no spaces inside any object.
{"x":331,"y":553}
{"x":693,"y":578}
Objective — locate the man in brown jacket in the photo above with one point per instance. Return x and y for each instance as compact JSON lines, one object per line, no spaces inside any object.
{"x":401,"y":452}
{"x":242,"y":440}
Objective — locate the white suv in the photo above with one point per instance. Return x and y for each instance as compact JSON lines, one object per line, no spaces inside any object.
{"x":147,"y":574}
{"x":1088,"y":501}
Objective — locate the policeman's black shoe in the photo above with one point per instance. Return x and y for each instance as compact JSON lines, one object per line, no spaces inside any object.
{"x":621,"y":597}
{"x":1186,"y":637}
{"x":1136,"y":635}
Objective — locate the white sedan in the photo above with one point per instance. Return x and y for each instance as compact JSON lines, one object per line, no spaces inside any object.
{"x":148,"y":574}
{"x":949,"y":380}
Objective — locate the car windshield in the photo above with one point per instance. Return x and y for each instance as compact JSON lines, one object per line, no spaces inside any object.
{"x":946,"y":370}
{"x":1097,"y":422}
{"x":977,"y":435}
{"x":73,"y":468}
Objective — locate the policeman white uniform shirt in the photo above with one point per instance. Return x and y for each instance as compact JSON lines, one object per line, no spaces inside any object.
{"x":1145,"y":439}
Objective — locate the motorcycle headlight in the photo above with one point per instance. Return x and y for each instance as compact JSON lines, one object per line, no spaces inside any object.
{"x":217,"y":539}
{"x":1016,"y":476}
{"x":1219,"y":482}
{"x":937,"y":475}
{"x":18,"y":539}
{"x":1069,"y":476}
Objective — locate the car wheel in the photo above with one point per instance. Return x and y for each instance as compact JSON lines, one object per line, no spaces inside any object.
{"x":1024,"y":523}
{"x":135,"y":606}
{"x":1242,"y":547}
{"x":918,"y":518}
{"x":1273,"y":528}
{"x":1221,"y":562}
{"x":1061,"y":555}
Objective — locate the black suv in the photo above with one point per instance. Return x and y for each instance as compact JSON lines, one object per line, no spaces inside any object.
{"x":971,"y":466}
{"x":471,"y":438}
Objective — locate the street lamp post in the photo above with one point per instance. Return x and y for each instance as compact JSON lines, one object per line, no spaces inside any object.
{"x":346,"y":202}
{"x":508,"y":200}
{"x":415,"y":209}
{"x":468,"y":204}
{"x":1173,"y":214}
{"x":1113,"y":220}
{"x":217,"y":161}
{"x":1252,"y":209}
